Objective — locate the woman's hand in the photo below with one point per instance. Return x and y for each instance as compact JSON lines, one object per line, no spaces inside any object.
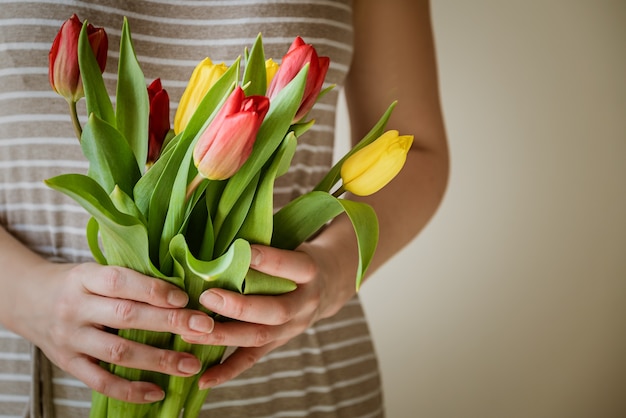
{"x":66,"y":309}
{"x":266,"y":322}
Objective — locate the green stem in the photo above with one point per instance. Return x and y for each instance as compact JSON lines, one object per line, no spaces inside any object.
{"x":78,"y":130}
{"x":341,"y":190}
{"x":197,"y":180}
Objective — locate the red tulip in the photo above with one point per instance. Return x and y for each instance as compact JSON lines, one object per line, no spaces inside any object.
{"x":298,"y":55}
{"x":63,"y":70}
{"x":227,"y":142}
{"x":159,"y":120}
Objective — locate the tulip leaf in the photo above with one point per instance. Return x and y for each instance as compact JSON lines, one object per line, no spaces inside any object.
{"x":225,"y":272}
{"x":92,"y":231}
{"x":111,"y":161}
{"x":282,"y":110}
{"x":258,"y":283}
{"x":226,"y":232}
{"x":132,"y":103}
{"x":334,"y":174}
{"x":96,"y":95}
{"x":254,"y":74}
{"x":124,"y":237}
{"x":303,"y":217}
{"x":258,"y":225}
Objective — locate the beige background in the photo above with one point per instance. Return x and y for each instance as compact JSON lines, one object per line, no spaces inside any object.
{"x":512,"y":303}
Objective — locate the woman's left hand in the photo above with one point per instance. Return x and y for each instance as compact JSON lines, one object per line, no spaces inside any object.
{"x":263,"y":323}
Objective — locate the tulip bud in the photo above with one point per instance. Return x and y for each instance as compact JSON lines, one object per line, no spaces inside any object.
{"x":204,"y":76}
{"x":271,"y":68}
{"x":228,"y":140}
{"x":298,"y":55}
{"x":159,"y":119}
{"x":372,"y":167}
{"x":63,"y":70}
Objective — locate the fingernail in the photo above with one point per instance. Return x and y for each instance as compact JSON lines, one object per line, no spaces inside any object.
{"x":177,"y":298}
{"x":201,"y":323}
{"x":211,"y":300}
{"x":255,"y":257}
{"x":189,"y":365}
{"x":203,"y":385}
{"x":154,"y":396}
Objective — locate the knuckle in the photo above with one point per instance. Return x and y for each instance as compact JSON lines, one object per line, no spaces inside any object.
{"x":118,"y":352}
{"x":166,"y":361}
{"x":262,"y":337}
{"x":125,"y":310}
{"x":175,"y":318}
{"x":113,"y":279}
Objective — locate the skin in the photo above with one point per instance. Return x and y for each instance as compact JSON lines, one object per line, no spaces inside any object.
{"x":65,"y":309}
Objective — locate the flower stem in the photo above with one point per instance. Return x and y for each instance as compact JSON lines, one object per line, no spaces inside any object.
{"x":78,"y":130}
{"x":197,"y":180}
{"x":337,"y":193}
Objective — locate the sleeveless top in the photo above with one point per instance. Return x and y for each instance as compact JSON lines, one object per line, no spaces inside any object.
{"x":328,"y":371}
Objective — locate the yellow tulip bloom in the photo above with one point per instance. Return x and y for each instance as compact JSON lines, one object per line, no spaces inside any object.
{"x":202,"y":79}
{"x":372,"y":167}
{"x":271,"y":68}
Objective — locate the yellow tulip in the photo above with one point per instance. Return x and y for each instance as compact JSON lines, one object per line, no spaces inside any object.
{"x":271,"y":68}
{"x":202,"y":79}
{"x":372,"y":167}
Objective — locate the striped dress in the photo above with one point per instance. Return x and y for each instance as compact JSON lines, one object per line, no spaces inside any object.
{"x":331,"y":369}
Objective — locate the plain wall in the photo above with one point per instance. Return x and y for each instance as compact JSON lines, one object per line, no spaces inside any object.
{"x":512,"y":302}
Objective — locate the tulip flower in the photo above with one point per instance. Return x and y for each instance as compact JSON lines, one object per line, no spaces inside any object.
{"x":202,"y":79}
{"x":159,"y":119}
{"x":271,"y":68}
{"x":63,"y":70}
{"x":228,"y":140}
{"x":372,"y":167}
{"x":298,"y":55}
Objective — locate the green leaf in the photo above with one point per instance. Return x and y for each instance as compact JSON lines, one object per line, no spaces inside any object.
{"x":258,"y":283}
{"x":258,"y":225}
{"x":274,"y":128}
{"x":96,"y":96}
{"x":304,"y":216}
{"x":92,"y":239}
{"x":254,"y":75}
{"x":226,"y":232}
{"x":124,"y":237}
{"x":132,"y":103}
{"x":111,"y":161}
{"x":334,"y":174}
{"x":225,"y":272}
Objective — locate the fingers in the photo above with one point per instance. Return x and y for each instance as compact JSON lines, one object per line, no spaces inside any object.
{"x":240,"y":361}
{"x":120,"y":351}
{"x":113,"y":386}
{"x":128,"y":314}
{"x":123,"y":283}
{"x":294,"y":265}
{"x":268,"y":310}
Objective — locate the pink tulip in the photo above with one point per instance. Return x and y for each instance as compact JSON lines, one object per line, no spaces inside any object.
{"x":298,"y":55}
{"x":227,"y":142}
{"x":63,"y":70}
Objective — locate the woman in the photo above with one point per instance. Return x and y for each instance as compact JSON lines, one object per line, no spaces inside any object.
{"x":304,"y":354}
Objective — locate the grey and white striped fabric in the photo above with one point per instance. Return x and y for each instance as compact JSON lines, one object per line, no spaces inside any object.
{"x":329,"y":371}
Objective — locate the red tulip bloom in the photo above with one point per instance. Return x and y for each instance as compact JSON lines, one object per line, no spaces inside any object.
{"x":227,"y":142}
{"x":298,"y":55}
{"x":159,"y":120}
{"x":63,"y":70}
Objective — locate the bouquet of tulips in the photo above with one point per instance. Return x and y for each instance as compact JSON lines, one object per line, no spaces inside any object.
{"x":184,"y":205}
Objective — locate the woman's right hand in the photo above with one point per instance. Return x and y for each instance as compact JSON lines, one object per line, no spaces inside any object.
{"x":66,"y":310}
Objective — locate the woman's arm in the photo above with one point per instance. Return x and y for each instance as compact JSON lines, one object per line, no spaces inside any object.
{"x":394,"y":60}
